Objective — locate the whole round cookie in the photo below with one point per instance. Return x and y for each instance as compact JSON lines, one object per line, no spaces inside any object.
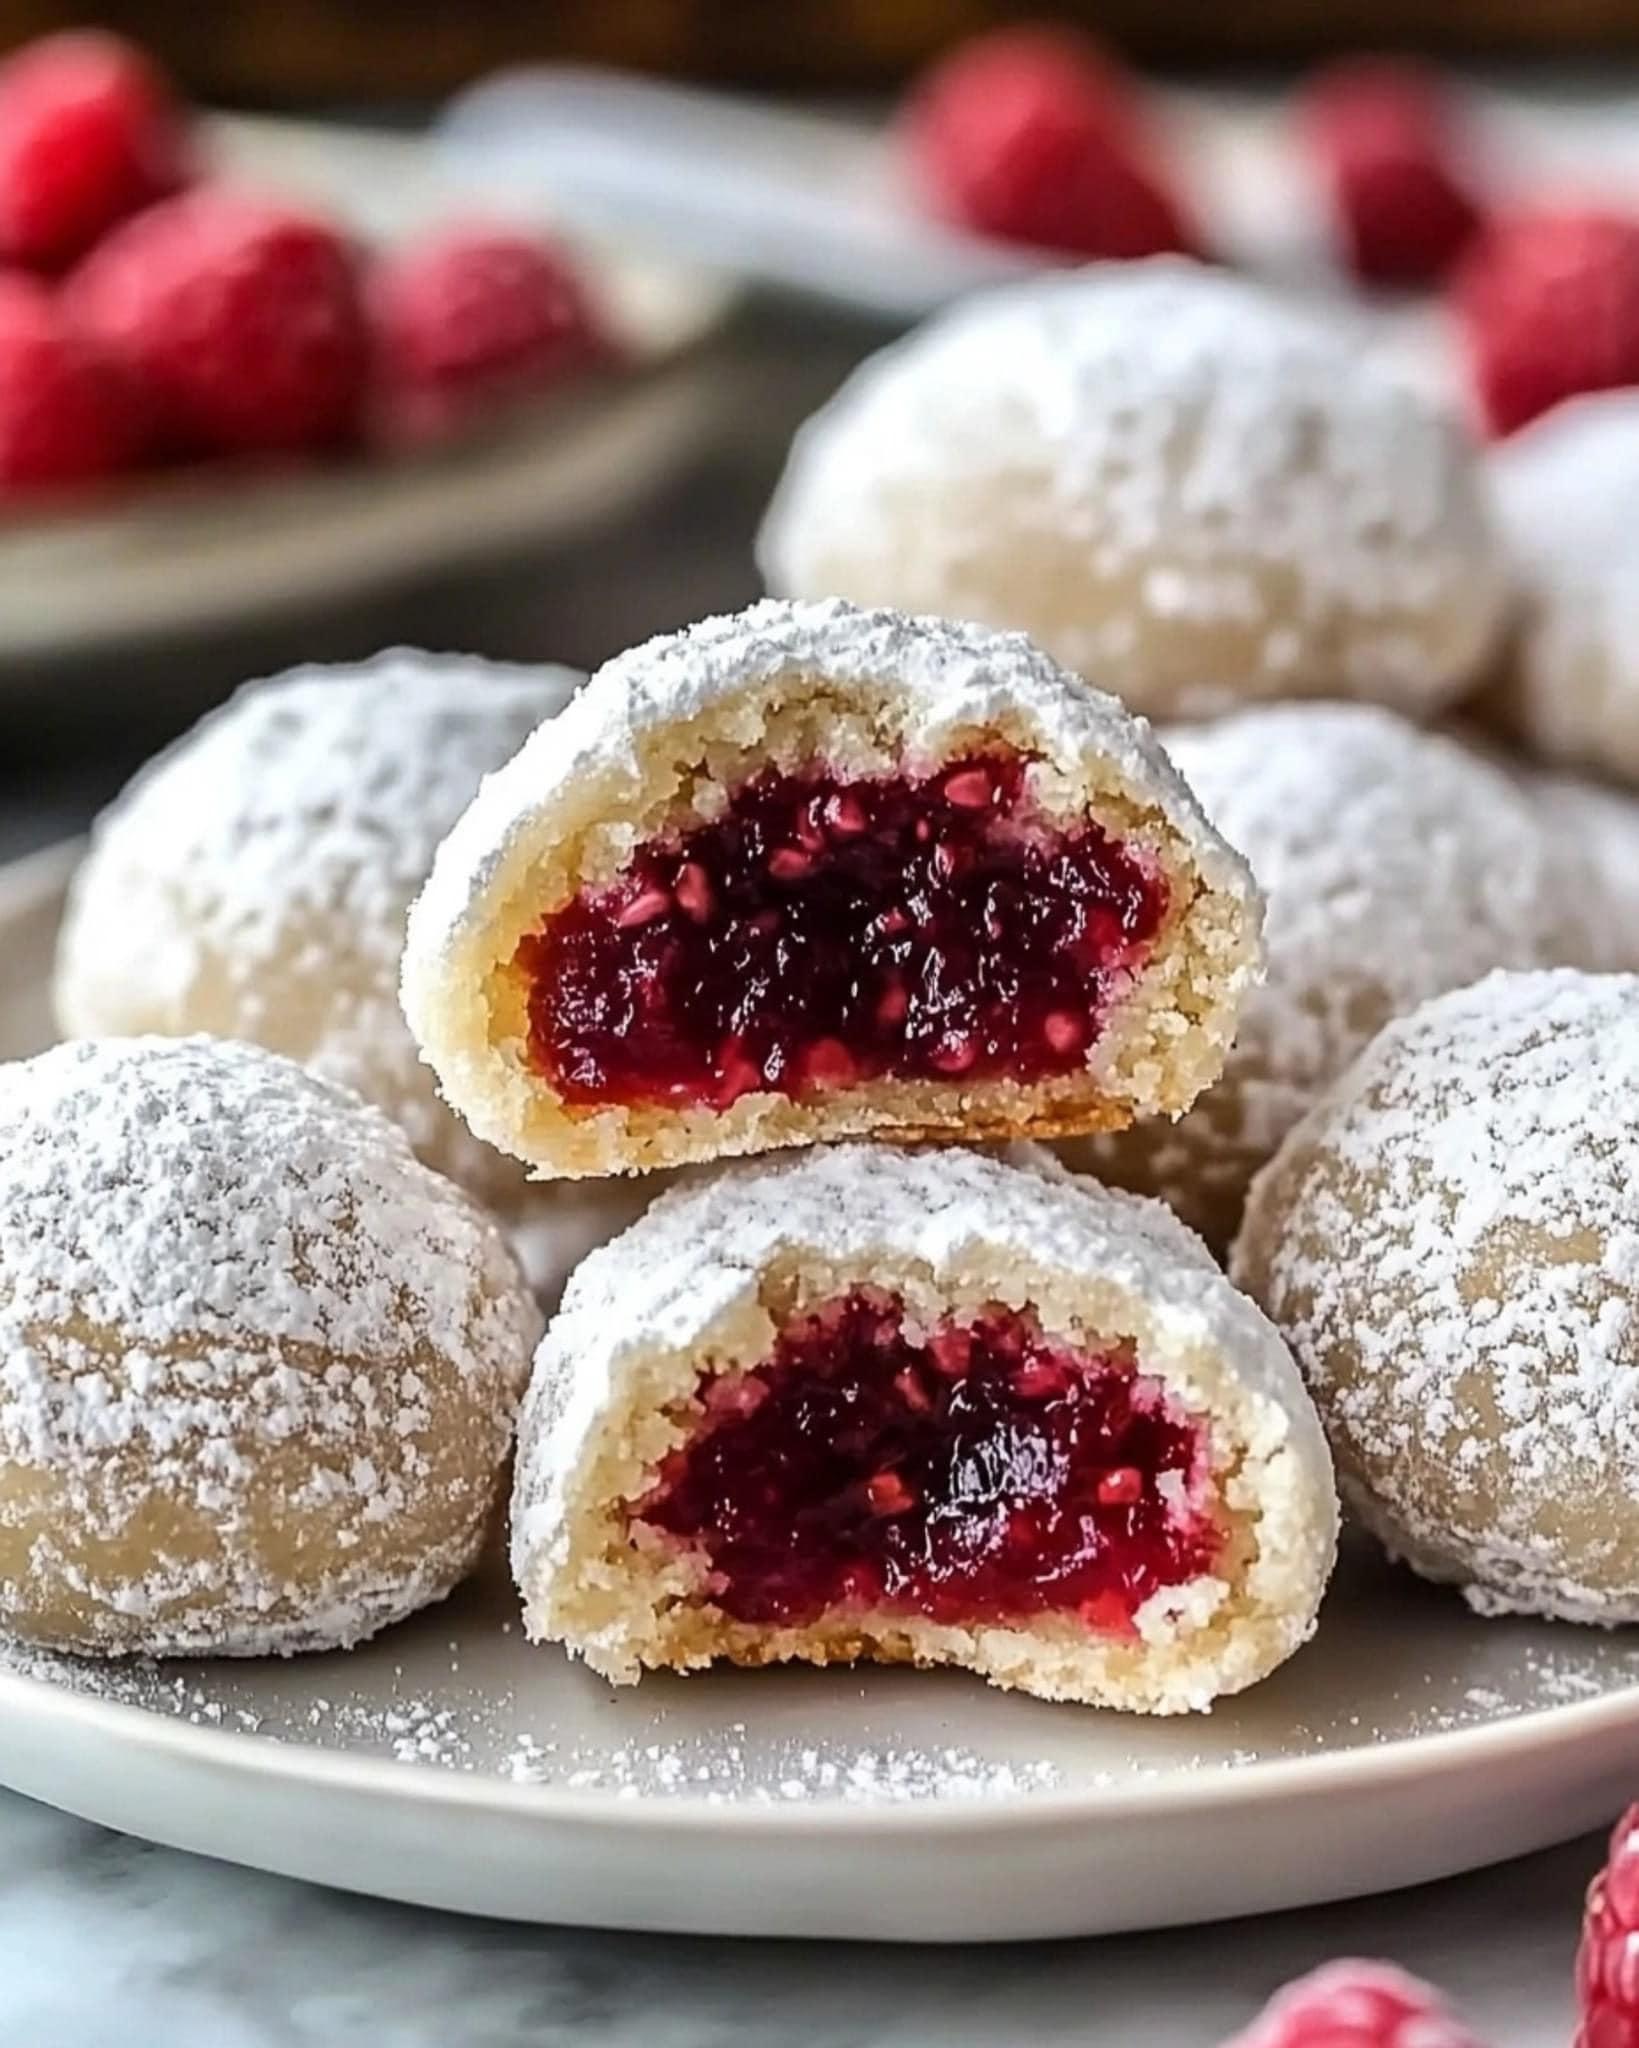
{"x":252,"y":882}
{"x":258,"y":1365}
{"x":930,"y":1408}
{"x":1449,"y":1242}
{"x":1192,"y":493}
{"x":1397,"y":864}
{"x":1567,"y":498}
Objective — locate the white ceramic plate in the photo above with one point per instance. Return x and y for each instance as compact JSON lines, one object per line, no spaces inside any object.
{"x":451,"y":1764}
{"x":168,"y":556}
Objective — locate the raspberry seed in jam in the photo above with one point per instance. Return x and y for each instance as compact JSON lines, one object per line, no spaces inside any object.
{"x":980,"y":1474}
{"x":821,"y":933}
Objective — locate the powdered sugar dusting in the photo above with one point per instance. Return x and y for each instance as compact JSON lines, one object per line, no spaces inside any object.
{"x":1567,"y":491}
{"x":1396,"y":863}
{"x":1212,"y":452}
{"x":1595,"y":836}
{"x":1567,"y":496}
{"x":701,"y":1246}
{"x":957,"y":679}
{"x":722,"y":1772}
{"x":465,"y":1697}
{"x":209,"y":1258}
{"x":1451,"y":1244}
{"x":254,"y":879}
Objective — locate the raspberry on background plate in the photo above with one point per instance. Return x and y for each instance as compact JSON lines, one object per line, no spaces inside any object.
{"x":1386,"y":140}
{"x":1033,"y":135}
{"x":1607,"y":1962}
{"x":89,"y":133}
{"x":1548,"y":305}
{"x":66,"y":416}
{"x":470,"y":317}
{"x":240,"y":318}
{"x":1356,"y":2004}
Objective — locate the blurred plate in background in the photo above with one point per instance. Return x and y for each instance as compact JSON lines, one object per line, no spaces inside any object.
{"x":164,"y":557}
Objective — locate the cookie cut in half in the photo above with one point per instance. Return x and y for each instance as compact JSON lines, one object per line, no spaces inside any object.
{"x":812,"y":872}
{"x":921,"y":1407}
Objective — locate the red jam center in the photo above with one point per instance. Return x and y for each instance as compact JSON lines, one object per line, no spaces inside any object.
{"x":822,"y":932}
{"x":982,"y":1475}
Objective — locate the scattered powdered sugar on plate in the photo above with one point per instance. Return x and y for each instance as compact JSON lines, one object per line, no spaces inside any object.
{"x":777,"y":1741}
{"x":722,"y":1772}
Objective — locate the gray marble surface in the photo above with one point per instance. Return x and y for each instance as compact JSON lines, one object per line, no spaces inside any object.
{"x":108,"y":1943}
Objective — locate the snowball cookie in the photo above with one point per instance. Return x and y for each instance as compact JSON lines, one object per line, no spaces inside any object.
{"x":252,"y":881}
{"x":1567,"y":496}
{"x":258,"y":1366}
{"x":1397,"y":864}
{"x":1188,"y":490}
{"x":928,"y":1408}
{"x":1450,"y":1243}
{"x":811,"y":872}
{"x":1595,"y":833}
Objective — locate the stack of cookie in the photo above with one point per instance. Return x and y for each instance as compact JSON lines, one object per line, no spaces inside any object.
{"x":815,"y":874}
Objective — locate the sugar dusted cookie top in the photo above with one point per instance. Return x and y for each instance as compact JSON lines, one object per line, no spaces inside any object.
{"x":253,"y":880}
{"x":1450,"y":1244}
{"x":257,"y":1363}
{"x":668,"y":1275}
{"x":812,"y":1409}
{"x":959,"y":678}
{"x":817,"y":872}
{"x":1186,"y":488}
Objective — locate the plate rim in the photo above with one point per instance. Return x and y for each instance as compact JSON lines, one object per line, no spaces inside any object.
{"x":1537,"y":1732}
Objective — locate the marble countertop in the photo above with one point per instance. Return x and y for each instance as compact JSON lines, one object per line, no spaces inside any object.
{"x":104,"y":1940}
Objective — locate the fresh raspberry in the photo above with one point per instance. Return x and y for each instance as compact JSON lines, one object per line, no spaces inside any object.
{"x":1356,"y":2005}
{"x":470,"y":318}
{"x":241,"y":321}
{"x":1385,"y":139}
{"x":89,"y":132}
{"x":1033,"y":136}
{"x":1548,"y":305}
{"x":65,"y":417}
{"x":1607,"y":1963}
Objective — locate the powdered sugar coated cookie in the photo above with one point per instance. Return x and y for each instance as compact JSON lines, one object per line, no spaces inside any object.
{"x":258,"y":1365}
{"x":1181,"y":486}
{"x":1449,"y":1242}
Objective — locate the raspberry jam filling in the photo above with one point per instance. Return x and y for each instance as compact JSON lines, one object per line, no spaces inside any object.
{"x":979,"y":1474}
{"x":822,"y":932}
